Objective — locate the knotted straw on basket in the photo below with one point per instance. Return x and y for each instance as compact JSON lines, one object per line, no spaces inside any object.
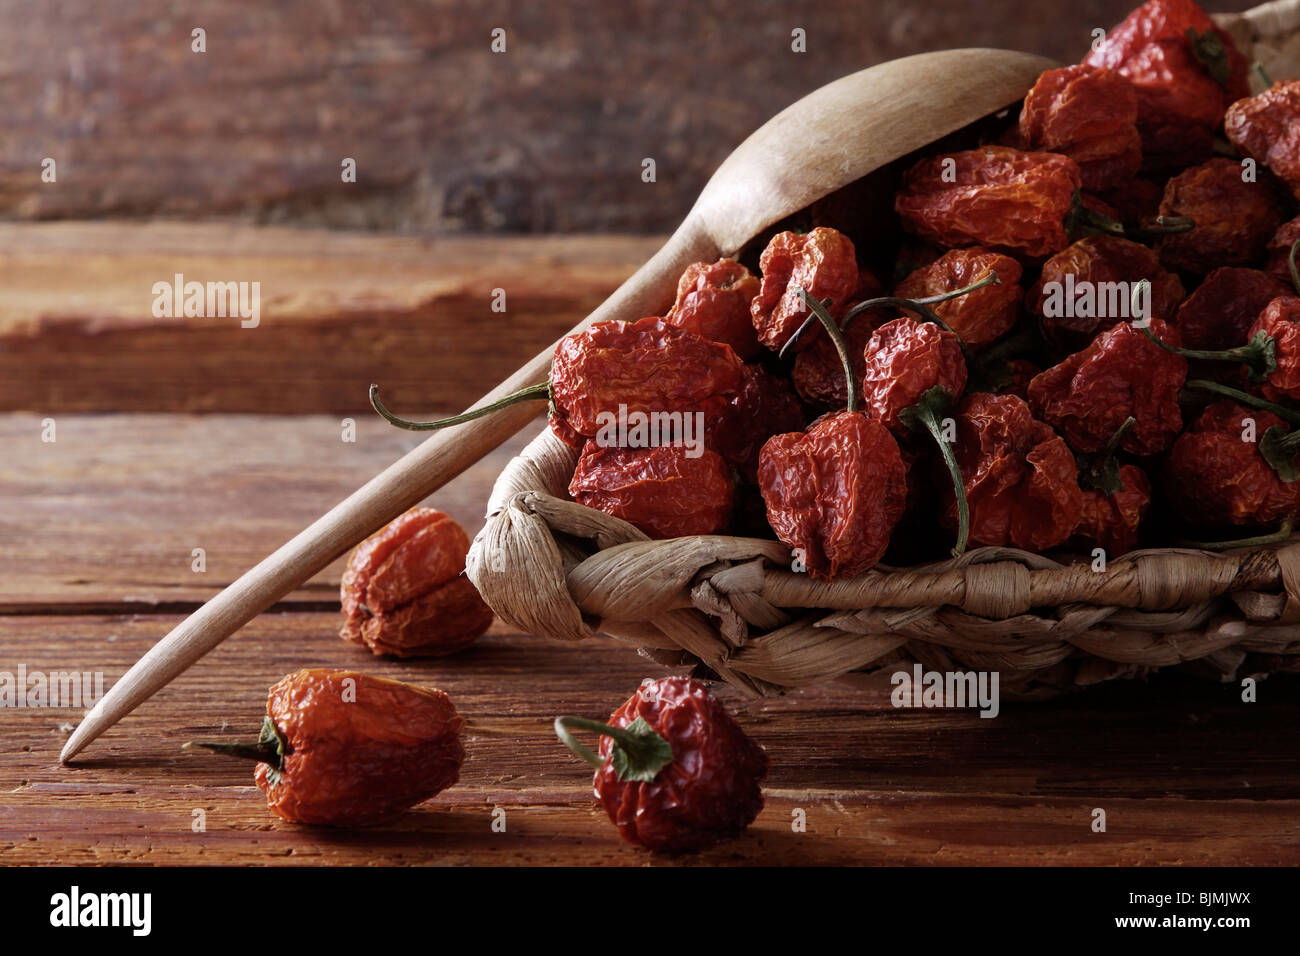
{"x":552,"y":567}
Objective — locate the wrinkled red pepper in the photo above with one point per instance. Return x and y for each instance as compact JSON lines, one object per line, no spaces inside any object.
{"x":675,"y":773}
{"x":1121,"y":374}
{"x":1184,"y":69}
{"x":1021,"y":481}
{"x":1266,"y":127}
{"x":994,"y":196}
{"x":1089,"y":114}
{"x":981,"y":316}
{"x":662,"y":489}
{"x":713,"y":302}
{"x":822,"y":262}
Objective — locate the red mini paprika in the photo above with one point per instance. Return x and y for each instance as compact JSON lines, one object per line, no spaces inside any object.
{"x":1089,"y":114}
{"x":713,"y":302}
{"x":1266,"y":127}
{"x":1121,"y":374}
{"x":1234,"y":219}
{"x":1185,"y":70}
{"x":821,"y":262}
{"x":339,"y":748}
{"x":1070,"y":296}
{"x":914,"y":372}
{"x":404,"y":592}
{"x":675,"y":772}
{"x":1218,"y":476}
{"x":1219,"y":314}
{"x":1116,"y":498}
{"x":1020,"y":479}
{"x":995,"y":196}
{"x":978,"y":317}
{"x":835,"y":492}
{"x":664,"y":490}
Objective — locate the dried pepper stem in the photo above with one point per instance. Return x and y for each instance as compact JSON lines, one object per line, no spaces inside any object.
{"x":531,"y":393}
{"x":1102,"y":471}
{"x":269,"y":749}
{"x":1275,"y":537}
{"x":919,"y":306}
{"x":1081,"y":221}
{"x":638,"y":754}
{"x":1259,"y":355}
{"x":927,"y":413}
{"x":1245,"y":398}
{"x":841,"y":347}
{"x":1291,"y":265}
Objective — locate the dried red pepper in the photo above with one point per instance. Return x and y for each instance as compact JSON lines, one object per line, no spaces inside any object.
{"x":1089,"y":114}
{"x":675,"y":772}
{"x":1121,"y":374}
{"x":404,"y":593}
{"x":1279,"y":323}
{"x":339,"y":748}
{"x":1266,"y":127}
{"x":662,"y":490}
{"x":1020,"y":479}
{"x":1081,"y":290}
{"x":994,"y":196}
{"x":611,"y":368}
{"x":1218,"y":476}
{"x":1110,"y":520}
{"x":835,"y":492}
{"x":1234,"y":219}
{"x":1184,"y":69}
{"x":914,"y":372}
{"x":821,"y":262}
{"x":1281,"y":253}
{"x":982,"y":316}
{"x":1115,"y":500}
{"x":817,"y":374}
{"x":1220,"y":312}
{"x":713,"y":302}
{"x":766,"y":405}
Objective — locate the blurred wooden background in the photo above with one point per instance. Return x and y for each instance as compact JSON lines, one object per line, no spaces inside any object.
{"x":448,"y":136}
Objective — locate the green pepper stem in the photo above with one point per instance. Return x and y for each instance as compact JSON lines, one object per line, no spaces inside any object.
{"x":638,"y":753}
{"x":1160,"y":226}
{"x":269,"y":749}
{"x":1259,"y":353}
{"x":531,"y":393}
{"x":262,"y":753}
{"x":1276,"y":537}
{"x":1112,"y":443}
{"x":926,"y":413}
{"x":919,"y":306}
{"x":841,"y":347}
{"x":1263,"y":75}
{"x":1291,"y":265}
{"x":1245,"y":398}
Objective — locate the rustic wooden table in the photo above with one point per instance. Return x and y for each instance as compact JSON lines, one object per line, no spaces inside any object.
{"x":97,"y":531}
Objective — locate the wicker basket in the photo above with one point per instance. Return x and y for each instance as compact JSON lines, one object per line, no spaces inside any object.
{"x":733,"y":607}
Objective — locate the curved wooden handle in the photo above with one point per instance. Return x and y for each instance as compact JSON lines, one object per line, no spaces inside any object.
{"x":423,"y":470}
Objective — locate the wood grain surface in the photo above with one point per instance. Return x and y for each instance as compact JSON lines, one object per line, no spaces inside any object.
{"x":338,"y":311}
{"x":95,"y":564}
{"x":548,"y":136}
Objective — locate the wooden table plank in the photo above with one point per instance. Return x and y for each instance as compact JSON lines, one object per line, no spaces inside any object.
{"x":338,"y":311}
{"x":1185,"y":773}
{"x":108,"y":515}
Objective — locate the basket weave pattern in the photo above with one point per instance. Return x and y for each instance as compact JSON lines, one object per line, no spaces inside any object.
{"x":552,"y":567}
